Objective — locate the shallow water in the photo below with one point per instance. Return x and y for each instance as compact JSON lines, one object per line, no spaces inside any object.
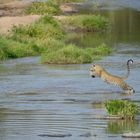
{"x":62,"y":101}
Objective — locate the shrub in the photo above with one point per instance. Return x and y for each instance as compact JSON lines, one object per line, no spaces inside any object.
{"x":69,"y":54}
{"x":101,"y":50}
{"x":46,"y":27}
{"x":43,"y":8}
{"x":12,"y":49}
{"x":95,"y":23}
{"x":90,"y":23}
{"x":72,"y":54}
{"x":67,"y":1}
{"x":122,"y":108}
{"x":122,"y":126}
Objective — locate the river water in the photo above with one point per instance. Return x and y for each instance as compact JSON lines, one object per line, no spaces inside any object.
{"x":40,"y":102}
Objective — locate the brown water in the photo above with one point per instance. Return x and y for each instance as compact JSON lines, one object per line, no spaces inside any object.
{"x":40,"y":102}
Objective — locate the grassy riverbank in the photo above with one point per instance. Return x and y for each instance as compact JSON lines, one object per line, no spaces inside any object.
{"x":46,"y":37}
{"x":49,"y":7}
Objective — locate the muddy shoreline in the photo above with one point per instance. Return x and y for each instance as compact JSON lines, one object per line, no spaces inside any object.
{"x":12,"y":14}
{"x":15,"y":8}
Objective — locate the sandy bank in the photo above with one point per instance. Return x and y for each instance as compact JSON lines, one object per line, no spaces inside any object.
{"x":11,"y":14}
{"x":6,"y":23}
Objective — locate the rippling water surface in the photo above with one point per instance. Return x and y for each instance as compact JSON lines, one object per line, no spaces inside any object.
{"x":40,"y":102}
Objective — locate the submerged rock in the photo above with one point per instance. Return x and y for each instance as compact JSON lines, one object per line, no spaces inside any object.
{"x":55,"y":135}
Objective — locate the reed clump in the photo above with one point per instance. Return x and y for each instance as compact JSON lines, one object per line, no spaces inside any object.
{"x":90,"y":23}
{"x":72,"y":54}
{"x":43,"y":8}
{"x":122,"y":108}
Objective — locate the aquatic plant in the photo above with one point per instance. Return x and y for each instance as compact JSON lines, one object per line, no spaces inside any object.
{"x":122,"y":108}
{"x":90,"y":23}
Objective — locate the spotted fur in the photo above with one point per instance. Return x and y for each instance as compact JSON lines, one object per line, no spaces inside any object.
{"x":98,"y":71}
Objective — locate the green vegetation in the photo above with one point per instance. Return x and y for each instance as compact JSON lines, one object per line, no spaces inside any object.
{"x":122,"y":108}
{"x":12,"y":49}
{"x":72,"y":54}
{"x":47,"y":37}
{"x":50,"y":7}
{"x":66,"y":55}
{"x":90,"y":23}
{"x":67,"y":1}
{"x":46,"y":27}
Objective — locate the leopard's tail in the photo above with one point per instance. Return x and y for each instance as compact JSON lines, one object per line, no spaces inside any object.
{"x":130,"y":61}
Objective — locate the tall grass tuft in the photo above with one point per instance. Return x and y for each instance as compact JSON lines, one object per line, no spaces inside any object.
{"x":43,"y":8}
{"x":90,"y":23}
{"x":122,"y":108}
{"x":46,"y":27}
{"x":69,"y":54}
{"x":72,"y":54}
{"x":67,"y":1}
{"x":12,"y":49}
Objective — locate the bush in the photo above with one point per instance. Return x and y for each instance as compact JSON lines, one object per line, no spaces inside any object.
{"x":90,"y":23}
{"x":46,"y":27}
{"x":101,"y":50}
{"x":12,"y":49}
{"x":71,"y":54}
{"x":43,"y":8}
{"x":122,"y":108}
{"x":67,"y":1}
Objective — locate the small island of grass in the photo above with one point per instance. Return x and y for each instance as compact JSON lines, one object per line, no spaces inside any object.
{"x":122,"y":108}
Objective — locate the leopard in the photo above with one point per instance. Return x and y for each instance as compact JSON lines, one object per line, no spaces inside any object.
{"x":97,"y":70}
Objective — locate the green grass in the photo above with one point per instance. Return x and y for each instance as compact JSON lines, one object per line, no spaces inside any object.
{"x":122,"y":108}
{"x":46,"y":37}
{"x":72,"y":54}
{"x":90,"y":23}
{"x":43,"y":8}
{"x":67,"y":1}
{"x":46,"y":27}
{"x":69,"y":54}
{"x":50,"y":7}
{"x":12,"y":49}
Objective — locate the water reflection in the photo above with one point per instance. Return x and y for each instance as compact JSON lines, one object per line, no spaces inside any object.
{"x":54,"y":101}
{"x":125,"y":23}
{"x":116,"y":4}
{"x":122,"y":126}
